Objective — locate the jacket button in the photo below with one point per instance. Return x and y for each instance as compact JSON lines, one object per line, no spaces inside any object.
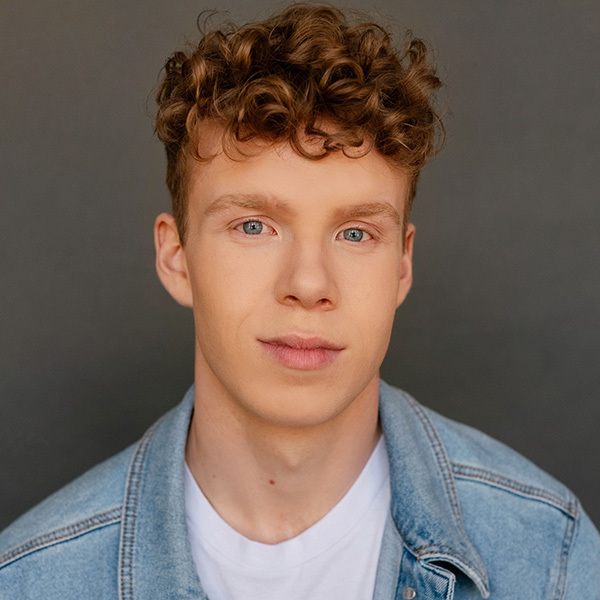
{"x":409,"y":593}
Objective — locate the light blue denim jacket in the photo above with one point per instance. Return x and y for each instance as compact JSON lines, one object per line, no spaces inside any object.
{"x":469,"y":519}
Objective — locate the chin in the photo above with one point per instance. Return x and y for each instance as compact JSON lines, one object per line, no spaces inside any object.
{"x":301,"y":406}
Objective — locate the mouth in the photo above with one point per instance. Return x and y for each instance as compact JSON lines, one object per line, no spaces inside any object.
{"x":303,"y":353}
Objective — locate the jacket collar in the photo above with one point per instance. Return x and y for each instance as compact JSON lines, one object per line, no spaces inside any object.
{"x":155,"y":551}
{"x":425,"y":506}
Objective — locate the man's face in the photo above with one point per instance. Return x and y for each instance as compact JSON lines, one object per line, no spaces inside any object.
{"x":295,"y":269}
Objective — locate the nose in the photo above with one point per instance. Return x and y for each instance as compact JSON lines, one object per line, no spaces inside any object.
{"x":307,"y":278}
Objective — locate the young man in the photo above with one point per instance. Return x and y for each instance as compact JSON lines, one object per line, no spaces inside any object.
{"x":290,"y":470}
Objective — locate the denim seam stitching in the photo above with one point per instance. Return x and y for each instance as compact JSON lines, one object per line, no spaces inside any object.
{"x":441,"y":459}
{"x":451,"y":581}
{"x":444,"y":465}
{"x":62,"y":534}
{"x":436,"y":550}
{"x":561,"y":582}
{"x":129,"y":515}
{"x":571,"y":508}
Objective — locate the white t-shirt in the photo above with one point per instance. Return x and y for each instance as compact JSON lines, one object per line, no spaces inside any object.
{"x":335,"y":558}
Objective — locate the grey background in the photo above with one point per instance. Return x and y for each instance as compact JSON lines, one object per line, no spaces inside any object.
{"x":501,"y":329}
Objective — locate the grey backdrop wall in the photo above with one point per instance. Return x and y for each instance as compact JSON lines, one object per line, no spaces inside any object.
{"x":501,"y":329}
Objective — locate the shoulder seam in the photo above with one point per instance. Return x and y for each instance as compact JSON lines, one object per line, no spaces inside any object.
{"x":568,"y":506}
{"x":62,"y":534}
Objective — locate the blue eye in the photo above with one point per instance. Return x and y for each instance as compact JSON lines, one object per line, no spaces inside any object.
{"x":252,"y":227}
{"x":353,"y":235}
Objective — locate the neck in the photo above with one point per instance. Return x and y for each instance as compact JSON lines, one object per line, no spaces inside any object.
{"x":270,"y":481}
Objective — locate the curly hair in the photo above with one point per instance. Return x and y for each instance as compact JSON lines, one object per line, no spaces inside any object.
{"x":280,"y":80}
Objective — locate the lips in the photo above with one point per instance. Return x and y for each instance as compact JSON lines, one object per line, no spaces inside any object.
{"x":304,"y":353}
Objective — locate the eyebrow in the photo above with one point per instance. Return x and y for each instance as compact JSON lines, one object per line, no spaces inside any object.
{"x":251,"y":201}
{"x":260,"y":203}
{"x":371,"y":209}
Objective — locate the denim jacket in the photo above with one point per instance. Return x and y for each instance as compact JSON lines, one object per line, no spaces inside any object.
{"x":469,"y":519}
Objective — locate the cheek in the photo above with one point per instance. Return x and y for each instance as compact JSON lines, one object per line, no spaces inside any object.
{"x":373,"y":283}
{"x":227,"y":286}
{"x":375,"y":314}
{"x":372,"y":295}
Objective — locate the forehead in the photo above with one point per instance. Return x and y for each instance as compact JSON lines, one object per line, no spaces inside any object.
{"x":262,"y":169}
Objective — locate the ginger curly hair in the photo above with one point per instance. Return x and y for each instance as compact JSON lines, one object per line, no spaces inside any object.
{"x":279,"y":80}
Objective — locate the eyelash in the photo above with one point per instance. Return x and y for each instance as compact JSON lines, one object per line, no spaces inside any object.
{"x":370,"y":235}
{"x":239,"y":227}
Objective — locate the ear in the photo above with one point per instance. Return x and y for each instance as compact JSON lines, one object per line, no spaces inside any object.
{"x":171,"y":264}
{"x":405,"y":281}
